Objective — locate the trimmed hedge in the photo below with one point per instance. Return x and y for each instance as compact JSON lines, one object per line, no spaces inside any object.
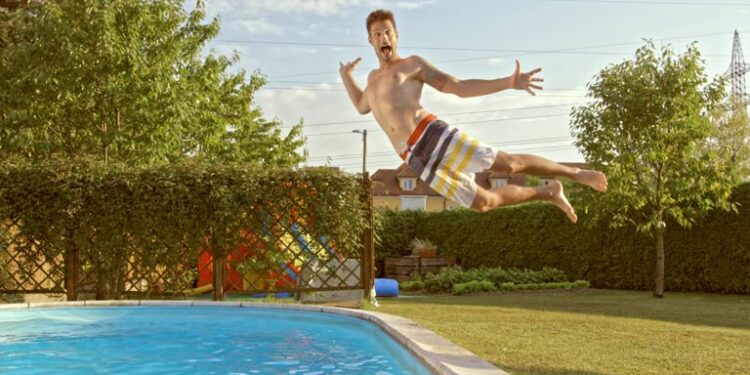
{"x":161,"y":215}
{"x":713,"y":256}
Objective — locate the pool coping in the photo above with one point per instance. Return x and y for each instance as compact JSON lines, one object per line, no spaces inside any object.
{"x":437,"y":353}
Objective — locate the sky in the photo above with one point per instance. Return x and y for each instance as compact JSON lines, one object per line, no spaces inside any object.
{"x":298,"y":44}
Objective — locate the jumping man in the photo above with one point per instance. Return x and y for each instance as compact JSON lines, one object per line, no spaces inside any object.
{"x":443,"y":157}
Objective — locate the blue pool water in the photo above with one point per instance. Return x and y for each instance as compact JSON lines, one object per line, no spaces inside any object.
{"x":195,"y":340}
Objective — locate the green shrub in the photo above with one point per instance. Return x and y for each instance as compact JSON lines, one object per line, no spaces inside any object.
{"x":546,"y":275}
{"x":411,"y":285}
{"x":444,"y":280}
{"x":578,"y":284}
{"x":474,"y":287}
{"x":447,"y":279}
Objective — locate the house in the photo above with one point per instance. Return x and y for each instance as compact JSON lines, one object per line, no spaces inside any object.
{"x":400,"y":188}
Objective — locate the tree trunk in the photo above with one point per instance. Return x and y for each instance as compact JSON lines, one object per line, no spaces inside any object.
{"x":659,"y":274}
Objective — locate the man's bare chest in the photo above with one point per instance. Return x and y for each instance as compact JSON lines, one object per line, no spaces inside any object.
{"x":394,"y":83}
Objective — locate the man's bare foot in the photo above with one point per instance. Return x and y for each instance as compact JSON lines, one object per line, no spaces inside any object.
{"x":558,"y":199}
{"x":594,"y":179}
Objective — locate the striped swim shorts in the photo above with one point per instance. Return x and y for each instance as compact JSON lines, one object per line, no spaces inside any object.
{"x":446,"y":159}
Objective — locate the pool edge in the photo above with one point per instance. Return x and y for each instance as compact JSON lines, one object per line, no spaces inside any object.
{"x":440,"y":355}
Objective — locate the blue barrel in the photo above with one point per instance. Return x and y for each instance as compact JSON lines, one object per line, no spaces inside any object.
{"x":386,"y":288}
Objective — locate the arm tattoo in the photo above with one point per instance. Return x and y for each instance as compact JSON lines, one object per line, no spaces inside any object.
{"x":436,"y":78}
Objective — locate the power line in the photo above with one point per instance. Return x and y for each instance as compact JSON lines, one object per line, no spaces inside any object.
{"x":571,"y":50}
{"x":457,"y":123}
{"x":527,"y":52}
{"x":342,"y":90}
{"x":444,"y":114}
{"x":392,"y":155}
{"x":636,"y":2}
{"x":341,"y":83}
{"x":350,"y":45}
{"x":301,"y":88}
{"x":522,"y":142}
{"x":399,"y":162}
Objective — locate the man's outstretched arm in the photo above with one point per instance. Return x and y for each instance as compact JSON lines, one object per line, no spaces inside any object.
{"x":355,"y":93}
{"x":446,"y":83}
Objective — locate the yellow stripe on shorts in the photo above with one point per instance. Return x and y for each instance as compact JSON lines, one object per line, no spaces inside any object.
{"x":451,"y":158}
{"x":467,"y":157}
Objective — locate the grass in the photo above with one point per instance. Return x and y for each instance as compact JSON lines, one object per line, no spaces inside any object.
{"x":591,"y":331}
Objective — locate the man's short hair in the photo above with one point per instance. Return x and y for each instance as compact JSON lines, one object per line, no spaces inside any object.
{"x":380,"y":15}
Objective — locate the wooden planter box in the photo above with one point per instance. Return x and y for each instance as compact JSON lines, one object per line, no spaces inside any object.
{"x":401,"y":268}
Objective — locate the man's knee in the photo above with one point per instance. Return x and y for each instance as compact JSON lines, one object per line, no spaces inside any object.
{"x":506,"y":163}
{"x":482,"y":201}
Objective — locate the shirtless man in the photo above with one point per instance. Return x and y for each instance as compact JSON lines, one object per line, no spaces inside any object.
{"x":442,"y":157}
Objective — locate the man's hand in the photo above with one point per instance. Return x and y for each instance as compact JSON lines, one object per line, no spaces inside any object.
{"x":346,"y":69}
{"x":523,"y":81}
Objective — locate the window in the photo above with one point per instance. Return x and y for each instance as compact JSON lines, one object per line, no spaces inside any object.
{"x":497,"y":182}
{"x":414,"y":202}
{"x":408,"y":184}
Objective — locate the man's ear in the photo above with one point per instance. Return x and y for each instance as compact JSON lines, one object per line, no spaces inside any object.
{"x":369,"y":38}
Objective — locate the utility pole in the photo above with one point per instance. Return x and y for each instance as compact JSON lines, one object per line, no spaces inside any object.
{"x":364,"y":149}
{"x":736,"y":72}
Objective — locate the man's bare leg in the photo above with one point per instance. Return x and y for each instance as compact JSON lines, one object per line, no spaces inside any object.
{"x":538,"y":166}
{"x":512,"y":194}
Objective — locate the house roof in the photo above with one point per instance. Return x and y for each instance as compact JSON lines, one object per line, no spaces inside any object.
{"x":405,"y":171}
{"x":385,"y":181}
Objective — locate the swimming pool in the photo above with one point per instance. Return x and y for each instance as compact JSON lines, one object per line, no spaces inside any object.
{"x":198,"y":339}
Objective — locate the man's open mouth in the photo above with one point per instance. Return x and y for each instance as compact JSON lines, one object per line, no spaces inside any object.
{"x":385,"y":49}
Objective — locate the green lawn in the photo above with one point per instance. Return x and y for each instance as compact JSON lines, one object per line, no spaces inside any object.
{"x":592,"y":331}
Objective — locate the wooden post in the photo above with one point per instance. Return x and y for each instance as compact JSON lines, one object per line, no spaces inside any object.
{"x":72,"y":261}
{"x":219,"y":264}
{"x":368,"y":237}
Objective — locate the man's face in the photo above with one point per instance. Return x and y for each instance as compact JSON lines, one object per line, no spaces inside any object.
{"x":384,"y":38}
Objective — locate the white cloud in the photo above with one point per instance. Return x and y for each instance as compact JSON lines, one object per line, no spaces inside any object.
{"x":260,"y":26}
{"x":316,"y":28}
{"x":320,"y":7}
{"x":414,"y":4}
{"x":242,"y":7}
{"x":496,"y":61}
{"x":287,"y":51}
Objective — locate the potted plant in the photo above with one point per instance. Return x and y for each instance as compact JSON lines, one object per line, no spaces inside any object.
{"x":423,"y":248}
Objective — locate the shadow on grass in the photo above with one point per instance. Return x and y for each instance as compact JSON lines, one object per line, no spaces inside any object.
{"x":547,"y":371}
{"x":701,"y":309}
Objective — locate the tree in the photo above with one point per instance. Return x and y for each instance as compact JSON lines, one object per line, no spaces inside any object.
{"x":7,"y":10}
{"x":126,"y":80}
{"x":732,"y":133}
{"x":647,"y":129}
